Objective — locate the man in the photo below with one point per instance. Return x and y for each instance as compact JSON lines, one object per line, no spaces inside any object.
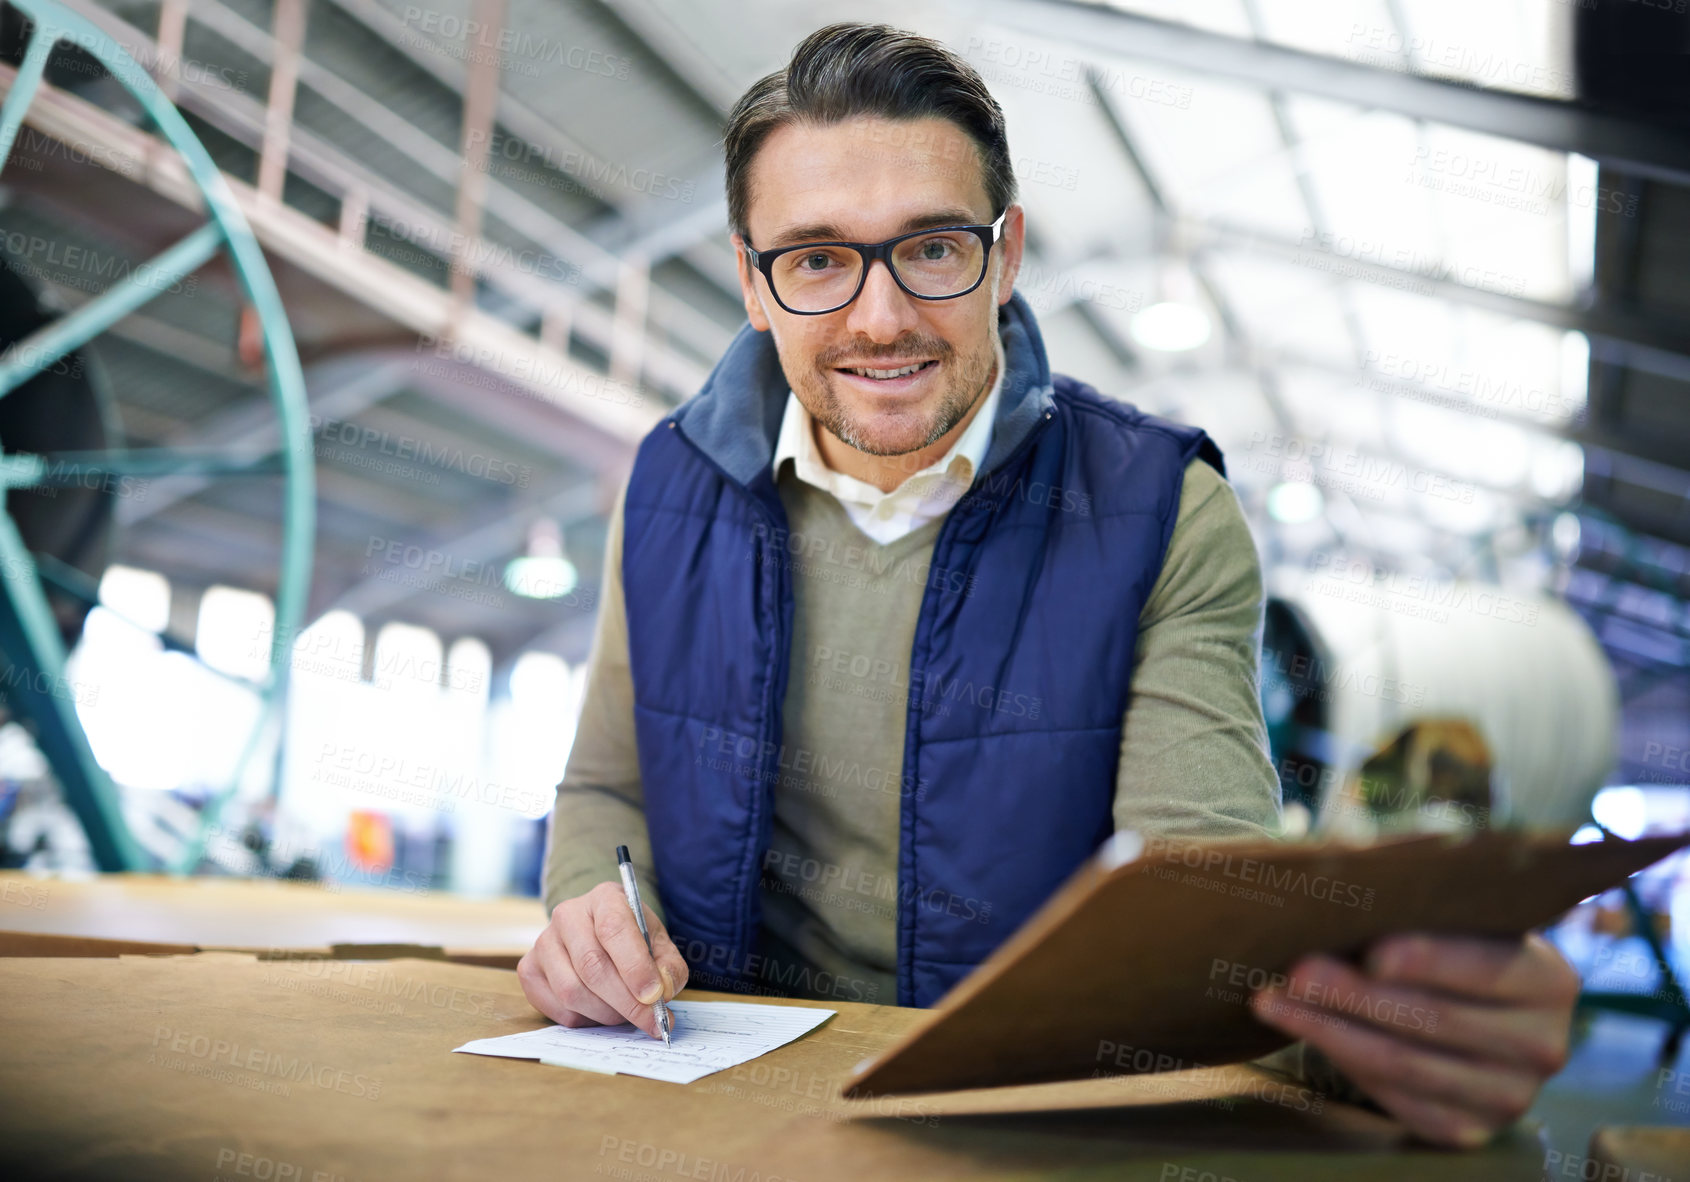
{"x":898,"y":627}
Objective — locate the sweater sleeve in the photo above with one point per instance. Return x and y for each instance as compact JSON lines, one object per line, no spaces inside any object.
{"x":1194,"y":752}
{"x":600,"y":804}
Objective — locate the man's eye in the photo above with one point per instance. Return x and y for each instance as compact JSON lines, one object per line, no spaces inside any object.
{"x":814,"y":262}
{"x":935,"y":249}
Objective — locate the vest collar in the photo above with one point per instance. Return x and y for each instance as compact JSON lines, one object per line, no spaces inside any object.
{"x":735,"y":418}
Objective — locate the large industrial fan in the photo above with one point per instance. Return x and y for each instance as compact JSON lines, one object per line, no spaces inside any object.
{"x":57,"y":430}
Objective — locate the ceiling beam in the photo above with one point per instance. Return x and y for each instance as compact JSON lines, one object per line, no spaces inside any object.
{"x":1622,"y":142}
{"x":414,"y":303}
{"x":324,"y":165}
{"x":1655,"y":344}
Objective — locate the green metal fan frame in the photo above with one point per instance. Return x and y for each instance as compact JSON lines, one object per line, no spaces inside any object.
{"x":29,"y":632}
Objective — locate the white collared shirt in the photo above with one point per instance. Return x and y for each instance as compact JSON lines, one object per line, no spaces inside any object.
{"x":929,"y":493}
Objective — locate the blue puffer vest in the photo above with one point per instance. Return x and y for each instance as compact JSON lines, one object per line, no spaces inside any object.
{"x":1026,"y":634}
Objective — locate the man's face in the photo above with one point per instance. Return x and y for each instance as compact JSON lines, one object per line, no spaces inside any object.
{"x":866,"y":180}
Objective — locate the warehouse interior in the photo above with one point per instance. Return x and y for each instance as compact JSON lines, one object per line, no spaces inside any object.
{"x":310,"y":578}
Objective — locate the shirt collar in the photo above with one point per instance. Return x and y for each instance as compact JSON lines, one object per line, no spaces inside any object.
{"x":797,"y":442}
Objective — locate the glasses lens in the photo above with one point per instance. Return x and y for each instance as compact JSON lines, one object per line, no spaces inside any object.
{"x":944,"y":263}
{"x":816,"y":278}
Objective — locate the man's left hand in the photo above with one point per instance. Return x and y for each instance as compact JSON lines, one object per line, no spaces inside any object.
{"x":1453,"y":1036}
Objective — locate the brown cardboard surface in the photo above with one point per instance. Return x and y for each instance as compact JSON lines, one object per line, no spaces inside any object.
{"x":175,"y":1067}
{"x":1636,"y":1153}
{"x":268,"y":915}
{"x":1140,"y":955}
{"x":42,"y":944}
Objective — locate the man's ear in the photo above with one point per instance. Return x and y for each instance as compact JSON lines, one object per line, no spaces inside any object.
{"x":748,"y":286}
{"x":1009,"y":247}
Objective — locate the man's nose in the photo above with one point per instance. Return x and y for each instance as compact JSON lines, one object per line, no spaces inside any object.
{"x":883,"y":311}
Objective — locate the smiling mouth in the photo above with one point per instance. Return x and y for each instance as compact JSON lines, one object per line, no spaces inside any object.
{"x":886,"y":375}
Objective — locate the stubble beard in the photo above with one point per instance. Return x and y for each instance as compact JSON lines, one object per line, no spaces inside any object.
{"x":966,"y":386}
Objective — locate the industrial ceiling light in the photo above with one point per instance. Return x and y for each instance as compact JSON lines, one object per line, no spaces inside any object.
{"x":543,"y":572}
{"x":1170,"y":327}
{"x":1295,"y":502}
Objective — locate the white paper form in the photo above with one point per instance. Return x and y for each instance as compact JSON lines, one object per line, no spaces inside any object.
{"x":709,"y":1036}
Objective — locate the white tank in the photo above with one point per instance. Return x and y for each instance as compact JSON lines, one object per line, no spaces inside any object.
{"x":1525,"y":670}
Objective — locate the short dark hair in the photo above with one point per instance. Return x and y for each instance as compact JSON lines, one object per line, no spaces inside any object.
{"x":847,"y":70}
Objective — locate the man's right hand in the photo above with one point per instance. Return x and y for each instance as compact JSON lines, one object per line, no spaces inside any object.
{"x":590,"y":966}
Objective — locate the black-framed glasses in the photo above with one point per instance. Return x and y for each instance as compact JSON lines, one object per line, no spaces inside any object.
{"x":814,"y":278}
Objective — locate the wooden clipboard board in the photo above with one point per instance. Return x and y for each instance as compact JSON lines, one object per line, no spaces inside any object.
{"x":1146,"y":958}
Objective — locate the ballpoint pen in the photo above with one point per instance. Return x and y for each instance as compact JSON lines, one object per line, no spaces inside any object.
{"x":632,"y":890}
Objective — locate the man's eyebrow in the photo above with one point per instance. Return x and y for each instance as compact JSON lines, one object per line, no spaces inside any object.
{"x":828,"y":232}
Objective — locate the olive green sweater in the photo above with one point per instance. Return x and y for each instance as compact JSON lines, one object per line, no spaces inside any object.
{"x":1193,"y":746}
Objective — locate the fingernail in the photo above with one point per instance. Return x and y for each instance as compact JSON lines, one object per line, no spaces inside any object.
{"x":1384,"y":961}
{"x":1316,"y":971}
{"x":669,"y":989}
{"x":1393,"y":957}
{"x":651,"y":993}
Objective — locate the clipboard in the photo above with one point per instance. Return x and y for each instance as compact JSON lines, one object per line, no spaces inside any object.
{"x":1145,"y":960}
